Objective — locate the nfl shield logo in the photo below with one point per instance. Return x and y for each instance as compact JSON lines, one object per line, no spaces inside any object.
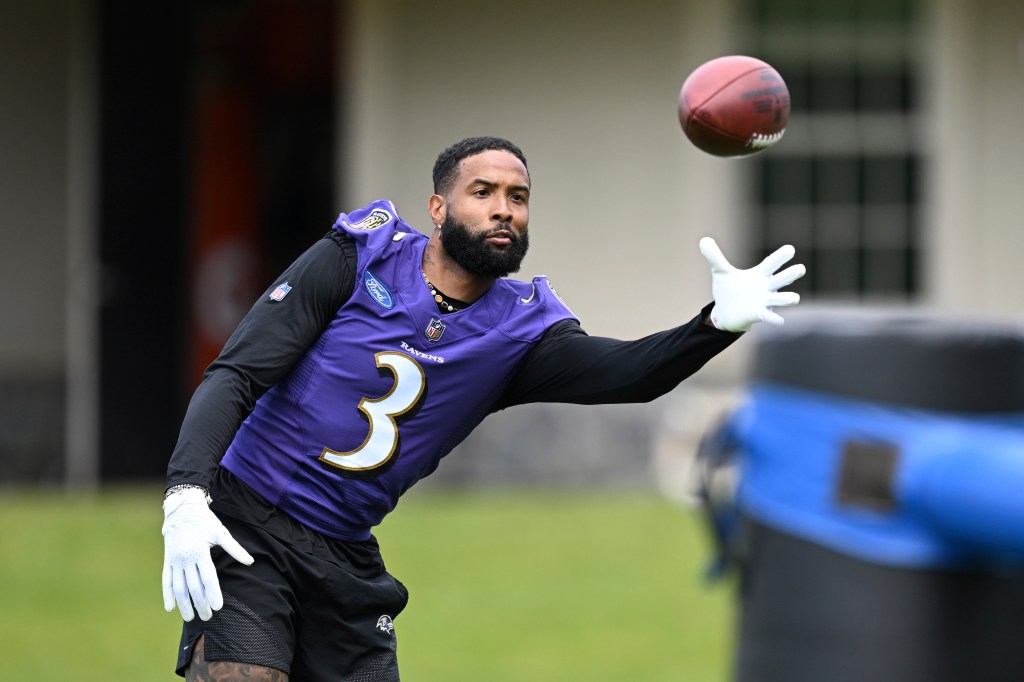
{"x":434,"y":329}
{"x":280,"y":292}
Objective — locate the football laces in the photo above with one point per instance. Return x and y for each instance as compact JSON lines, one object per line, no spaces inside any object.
{"x":760,"y":141}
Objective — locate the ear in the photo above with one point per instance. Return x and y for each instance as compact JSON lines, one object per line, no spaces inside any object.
{"x":438,"y":209}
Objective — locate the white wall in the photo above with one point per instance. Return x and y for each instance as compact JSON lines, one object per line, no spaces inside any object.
{"x":976,"y":100}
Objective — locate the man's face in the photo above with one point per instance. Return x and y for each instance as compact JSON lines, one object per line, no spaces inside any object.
{"x":484,"y":228}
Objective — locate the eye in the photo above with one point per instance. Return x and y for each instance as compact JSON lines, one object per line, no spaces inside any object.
{"x":482,"y":192}
{"x":520,"y":198}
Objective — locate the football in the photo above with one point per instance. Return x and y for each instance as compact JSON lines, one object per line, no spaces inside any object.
{"x":734,"y":106}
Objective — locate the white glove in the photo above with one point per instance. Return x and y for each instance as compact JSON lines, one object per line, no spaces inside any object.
{"x":190,"y":530}
{"x":743,"y":297}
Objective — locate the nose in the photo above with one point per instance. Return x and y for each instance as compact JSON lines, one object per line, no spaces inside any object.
{"x":502,"y":211}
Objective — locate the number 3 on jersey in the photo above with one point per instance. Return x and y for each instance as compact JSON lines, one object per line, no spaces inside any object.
{"x":382,"y":439}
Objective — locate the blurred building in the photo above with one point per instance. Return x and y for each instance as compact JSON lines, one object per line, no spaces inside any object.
{"x":162,"y":162}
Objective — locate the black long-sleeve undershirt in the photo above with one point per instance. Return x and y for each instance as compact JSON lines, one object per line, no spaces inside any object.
{"x":566,"y":365}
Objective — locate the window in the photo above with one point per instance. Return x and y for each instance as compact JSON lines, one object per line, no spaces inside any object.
{"x":843,"y":185}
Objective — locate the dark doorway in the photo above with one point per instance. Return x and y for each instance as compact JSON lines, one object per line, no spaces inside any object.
{"x":217,"y":122}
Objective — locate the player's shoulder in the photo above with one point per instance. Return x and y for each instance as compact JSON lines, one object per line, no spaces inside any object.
{"x":374,"y":224}
{"x":538,"y":289}
{"x":534,"y":304}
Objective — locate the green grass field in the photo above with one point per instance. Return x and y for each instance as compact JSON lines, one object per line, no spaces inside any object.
{"x":509,"y":585}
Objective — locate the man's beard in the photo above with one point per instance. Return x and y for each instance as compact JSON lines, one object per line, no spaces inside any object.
{"x":474,"y":255}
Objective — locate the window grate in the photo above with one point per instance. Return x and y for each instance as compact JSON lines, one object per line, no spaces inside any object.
{"x":844,"y":185}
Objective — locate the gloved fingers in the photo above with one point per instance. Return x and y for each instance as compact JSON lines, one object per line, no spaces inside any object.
{"x":782,"y":298}
{"x":211,"y":585}
{"x":179,"y":587}
{"x":168,"y":591}
{"x":232,"y":547}
{"x":776,"y":259}
{"x":198,"y":592}
{"x":772,"y":318}
{"x":713,"y":255}
{"x":787,"y":276}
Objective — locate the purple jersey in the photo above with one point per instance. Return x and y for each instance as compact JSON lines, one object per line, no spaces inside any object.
{"x":388,"y":389}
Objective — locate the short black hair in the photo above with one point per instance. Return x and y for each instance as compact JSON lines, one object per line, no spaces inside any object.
{"x":446,"y":167}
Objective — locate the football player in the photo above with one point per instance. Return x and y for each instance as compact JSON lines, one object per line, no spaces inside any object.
{"x":372,"y":356}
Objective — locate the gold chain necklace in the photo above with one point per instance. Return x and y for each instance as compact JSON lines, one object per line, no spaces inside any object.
{"x":439,"y":298}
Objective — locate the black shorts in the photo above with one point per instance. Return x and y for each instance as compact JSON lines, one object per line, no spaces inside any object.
{"x":314,"y":607}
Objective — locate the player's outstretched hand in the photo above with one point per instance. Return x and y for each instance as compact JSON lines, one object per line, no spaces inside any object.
{"x":743,"y":297}
{"x":190,"y":530}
